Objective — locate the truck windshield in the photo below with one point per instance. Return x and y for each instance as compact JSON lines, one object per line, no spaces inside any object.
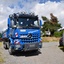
{"x":27,"y":23}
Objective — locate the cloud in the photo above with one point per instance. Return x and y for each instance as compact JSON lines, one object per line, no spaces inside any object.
{"x":45,"y":9}
{"x":12,"y":6}
{"x":4,"y":13}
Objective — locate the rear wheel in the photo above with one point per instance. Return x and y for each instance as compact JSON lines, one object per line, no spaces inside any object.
{"x":4,"y":45}
{"x":8,"y":45}
{"x":61,"y":43}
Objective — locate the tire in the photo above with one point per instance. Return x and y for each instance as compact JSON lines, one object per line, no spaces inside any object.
{"x":35,"y":50}
{"x":8,"y":45}
{"x":4,"y":45}
{"x":61,"y":43}
{"x":11,"y":51}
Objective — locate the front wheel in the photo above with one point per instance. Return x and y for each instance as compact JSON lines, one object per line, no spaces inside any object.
{"x":11,"y":51}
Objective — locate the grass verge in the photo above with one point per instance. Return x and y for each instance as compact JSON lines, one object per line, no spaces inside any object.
{"x":62,"y":48}
{"x":0,"y":44}
{"x":1,"y":56}
{"x":50,"y":39}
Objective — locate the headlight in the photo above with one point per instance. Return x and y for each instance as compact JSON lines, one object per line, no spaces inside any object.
{"x":16,"y":34}
{"x":16,"y":42}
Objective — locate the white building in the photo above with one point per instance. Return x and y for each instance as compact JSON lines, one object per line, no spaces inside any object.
{"x":60,"y":29}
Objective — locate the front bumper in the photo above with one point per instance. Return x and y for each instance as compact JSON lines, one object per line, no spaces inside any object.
{"x":32,"y":46}
{"x":28,"y":46}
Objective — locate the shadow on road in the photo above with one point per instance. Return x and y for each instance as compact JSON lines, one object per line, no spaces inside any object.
{"x":26,"y":54}
{"x":62,"y":48}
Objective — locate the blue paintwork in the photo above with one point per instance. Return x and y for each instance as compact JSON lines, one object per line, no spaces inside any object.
{"x":20,"y":32}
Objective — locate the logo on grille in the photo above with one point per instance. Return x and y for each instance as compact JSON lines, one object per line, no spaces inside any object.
{"x":30,"y":35}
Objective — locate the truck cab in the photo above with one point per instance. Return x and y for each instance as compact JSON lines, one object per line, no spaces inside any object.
{"x":23,"y":33}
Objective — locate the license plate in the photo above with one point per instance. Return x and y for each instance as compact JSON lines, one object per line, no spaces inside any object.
{"x":32,"y":45}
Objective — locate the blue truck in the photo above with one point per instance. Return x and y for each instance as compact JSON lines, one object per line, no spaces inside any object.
{"x":23,"y":33}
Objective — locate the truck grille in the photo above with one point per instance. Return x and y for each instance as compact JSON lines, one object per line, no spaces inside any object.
{"x":34,"y":38}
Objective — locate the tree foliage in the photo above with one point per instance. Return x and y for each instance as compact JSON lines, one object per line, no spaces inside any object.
{"x":0,"y":35}
{"x":51,"y":24}
{"x":58,"y":34}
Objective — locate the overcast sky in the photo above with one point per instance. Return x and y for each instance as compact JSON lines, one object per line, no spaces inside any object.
{"x":39,"y":7}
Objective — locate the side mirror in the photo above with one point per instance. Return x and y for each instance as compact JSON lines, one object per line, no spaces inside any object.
{"x":40,"y":23}
{"x":8,"y":25}
{"x":9,"y":22}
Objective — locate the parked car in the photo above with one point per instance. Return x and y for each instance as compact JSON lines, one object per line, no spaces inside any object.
{"x":61,"y":41}
{"x":0,"y":39}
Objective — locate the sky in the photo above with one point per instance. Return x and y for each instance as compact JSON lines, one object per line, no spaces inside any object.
{"x":39,"y":7}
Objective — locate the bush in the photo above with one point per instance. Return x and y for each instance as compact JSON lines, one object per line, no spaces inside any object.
{"x":58,"y":34}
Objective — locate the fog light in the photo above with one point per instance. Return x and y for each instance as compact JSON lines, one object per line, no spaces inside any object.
{"x":16,"y":42}
{"x":16,"y":34}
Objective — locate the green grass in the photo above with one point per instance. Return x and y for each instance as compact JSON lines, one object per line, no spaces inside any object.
{"x":0,"y":44}
{"x":50,"y":39}
{"x":1,"y":60}
{"x":1,"y":56}
{"x":62,"y":48}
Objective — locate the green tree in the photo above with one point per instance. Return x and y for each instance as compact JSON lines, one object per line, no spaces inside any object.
{"x":51,"y":24}
{"x":0,"y":35}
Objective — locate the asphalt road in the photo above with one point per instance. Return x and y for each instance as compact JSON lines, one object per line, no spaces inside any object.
{"x":50,"y":53}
